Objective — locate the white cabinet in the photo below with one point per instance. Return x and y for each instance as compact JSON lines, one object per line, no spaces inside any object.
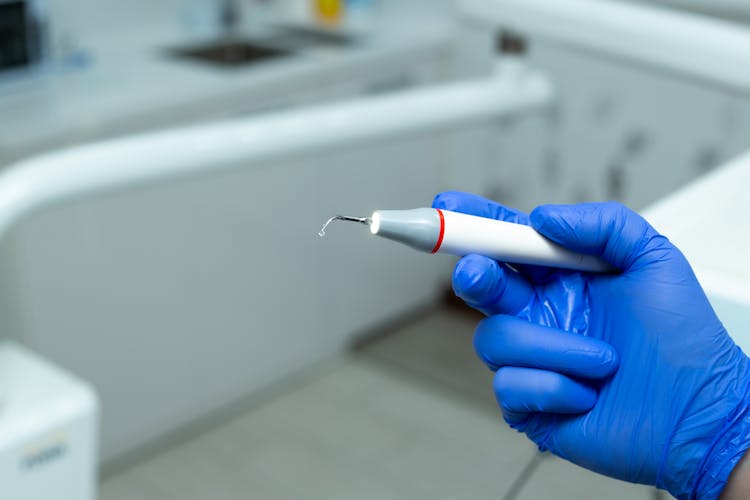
{"x":179,"y":299}
{"x":620,"y":131}
{"x":174,"y":309}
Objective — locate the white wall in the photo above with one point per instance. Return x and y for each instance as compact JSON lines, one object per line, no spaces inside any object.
{"x":92,"y":23}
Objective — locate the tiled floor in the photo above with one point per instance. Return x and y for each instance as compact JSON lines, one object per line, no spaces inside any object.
{"x":408,"y":416}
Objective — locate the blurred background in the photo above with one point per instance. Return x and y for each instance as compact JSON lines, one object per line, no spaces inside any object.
{"x":230,"y":352}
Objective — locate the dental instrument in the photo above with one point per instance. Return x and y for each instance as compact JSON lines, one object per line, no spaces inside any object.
{"x":436,"y":230}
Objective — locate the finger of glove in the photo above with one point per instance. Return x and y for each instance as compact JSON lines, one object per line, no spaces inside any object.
{"x":473,"y":204}
{"x":609,"y":230}
{"x":509,"y":341}
{"x":490,"y":287}
{"x":521,"y":391}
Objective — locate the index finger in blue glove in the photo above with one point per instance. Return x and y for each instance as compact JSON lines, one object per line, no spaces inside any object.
{"x":509,"y":341}
{"x":473,"y":204}
{"x":609,"y":230}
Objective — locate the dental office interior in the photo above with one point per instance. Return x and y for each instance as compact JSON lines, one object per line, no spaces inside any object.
{"x":173,"y":326}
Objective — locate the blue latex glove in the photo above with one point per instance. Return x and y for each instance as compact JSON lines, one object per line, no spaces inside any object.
{"x":631,"y":375}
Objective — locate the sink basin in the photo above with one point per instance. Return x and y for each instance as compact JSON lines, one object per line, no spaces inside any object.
{"x":228,"y":53}
{"x":236,"y":52}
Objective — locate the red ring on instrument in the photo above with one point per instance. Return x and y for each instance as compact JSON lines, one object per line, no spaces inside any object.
{"x":442,"y":231}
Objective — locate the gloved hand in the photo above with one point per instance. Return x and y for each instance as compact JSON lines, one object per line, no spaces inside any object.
{"x":631,"y":375}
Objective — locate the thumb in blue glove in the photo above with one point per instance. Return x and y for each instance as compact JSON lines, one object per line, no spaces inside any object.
{"x":630,"y":375}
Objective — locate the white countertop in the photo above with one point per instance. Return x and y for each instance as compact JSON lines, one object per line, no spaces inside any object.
{"x":130,"y":88}
{"x":707,"y":220}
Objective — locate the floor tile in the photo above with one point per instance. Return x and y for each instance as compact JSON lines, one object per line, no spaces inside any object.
{"x":408,"y":416}
{"x":439,"y":347}
{"x":361,"y":431}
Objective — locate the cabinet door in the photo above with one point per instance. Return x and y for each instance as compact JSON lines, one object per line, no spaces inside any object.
{"x":619,"y":131}
{"x":178,"y":299}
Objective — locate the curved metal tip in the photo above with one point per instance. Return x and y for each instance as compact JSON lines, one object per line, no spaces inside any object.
{"x":362,"y":220}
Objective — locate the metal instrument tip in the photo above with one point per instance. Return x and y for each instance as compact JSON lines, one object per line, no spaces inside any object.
{"x":362,"y":220}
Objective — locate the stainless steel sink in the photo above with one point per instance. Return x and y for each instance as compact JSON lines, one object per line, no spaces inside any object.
{"x":232,"y":51}
{"x":229,"y":53}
